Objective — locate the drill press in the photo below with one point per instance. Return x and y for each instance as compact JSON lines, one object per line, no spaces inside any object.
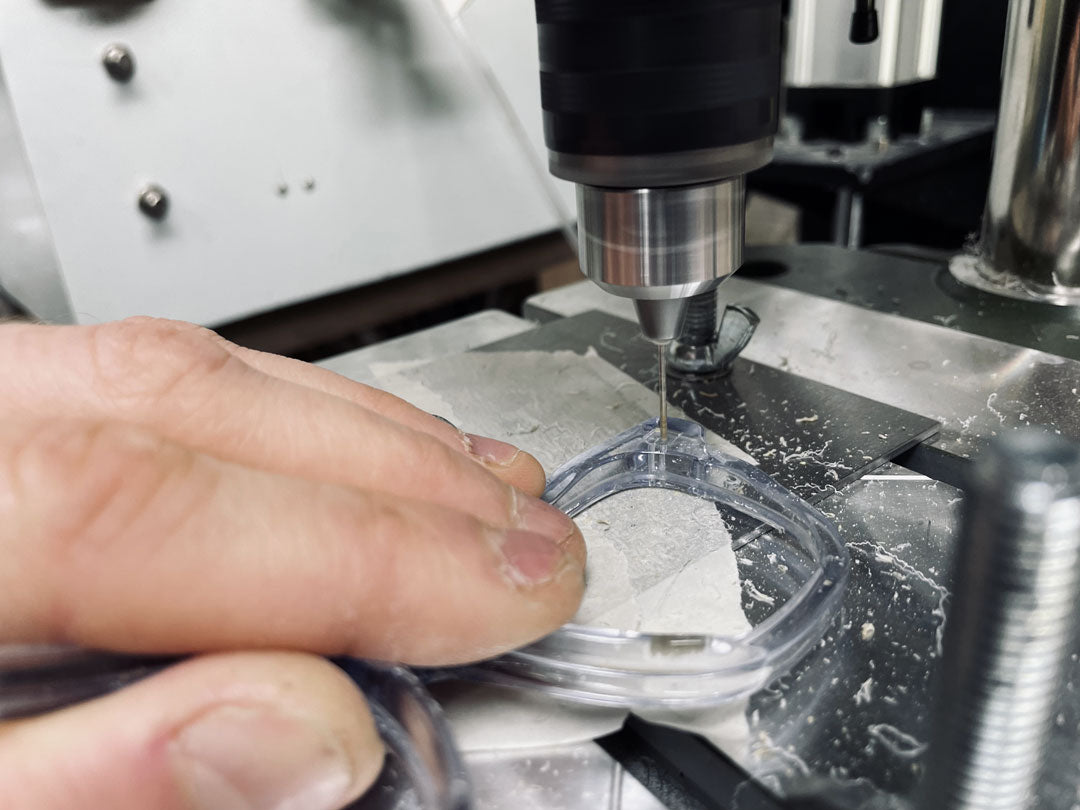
{"x":656,"y":110}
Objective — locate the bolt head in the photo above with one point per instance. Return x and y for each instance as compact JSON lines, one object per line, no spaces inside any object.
{"x":119,"y":62}
{"x":154,"y":202}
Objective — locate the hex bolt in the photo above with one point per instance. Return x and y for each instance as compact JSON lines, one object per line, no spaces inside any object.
{"x":154,"y":202}
{"x":1011,"y":625}
{"x":119,"y":62}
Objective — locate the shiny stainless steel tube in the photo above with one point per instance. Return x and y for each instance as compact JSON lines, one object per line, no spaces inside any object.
{"x":660,"y":246}
{"x":1031,"y":231}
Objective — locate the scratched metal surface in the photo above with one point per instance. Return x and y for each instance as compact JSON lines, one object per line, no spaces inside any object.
{"x":566,"y":777}
{"x":812,"y":438}
{"x":426,"y":345}
{"x":973,"y":385}
{"x":852,"y":721}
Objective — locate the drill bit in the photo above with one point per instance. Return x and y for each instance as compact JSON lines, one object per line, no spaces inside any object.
{"x":663,"y":391}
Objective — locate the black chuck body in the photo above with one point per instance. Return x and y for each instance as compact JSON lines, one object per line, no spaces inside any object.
{"x":672,"y":92}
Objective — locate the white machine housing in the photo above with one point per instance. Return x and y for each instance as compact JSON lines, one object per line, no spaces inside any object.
{"x":819,"y":53}
{"x":305,"y":147}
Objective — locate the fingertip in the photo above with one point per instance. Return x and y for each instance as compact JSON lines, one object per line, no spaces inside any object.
{"x":509,"y":463}
{"x":569,"y":590}
{"x":535,"y":515}
{"x":526,"y":473}
{"x":252,"y":730}
{"x":285,"y":730}
{"x":574,"y":545}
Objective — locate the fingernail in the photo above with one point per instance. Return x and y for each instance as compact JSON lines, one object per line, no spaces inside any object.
{"x":492,"y":450}
{"x":531,"y":559}
{"x":542,"y":518}
{"x":255,"y":757}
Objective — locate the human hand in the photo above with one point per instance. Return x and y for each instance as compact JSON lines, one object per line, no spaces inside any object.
{"x":164,"y":491}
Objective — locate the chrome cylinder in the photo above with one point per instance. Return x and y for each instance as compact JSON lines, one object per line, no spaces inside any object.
{"x":819,"y":53}
{"x":660,"y":246}
{"x":660,"y":243}
{"x":1031,"y":230}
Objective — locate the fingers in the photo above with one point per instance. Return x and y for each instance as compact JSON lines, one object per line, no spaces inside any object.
{"x":243,"y":731}
{"x":111,"y":537}
{"x":512,"y":465}
{"x":171,"y":378}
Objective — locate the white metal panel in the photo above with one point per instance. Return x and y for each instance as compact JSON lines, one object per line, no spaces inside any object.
{"x":504,"y":33}
{"x":930,"y":40}
{"x":28,"y":269}
{"x":892,"y":32}
{"x":232,"y":99}
{"x":819,"y":53}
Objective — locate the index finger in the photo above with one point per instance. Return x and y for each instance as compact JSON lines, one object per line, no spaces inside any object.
{"x":170,"y":378}
{"x":514,"y":466}
{"x":111,"y":537}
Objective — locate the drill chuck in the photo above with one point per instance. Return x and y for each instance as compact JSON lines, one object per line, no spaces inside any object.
{"x":657,"y":110}
{"x":660,"y":246}
{"x":642,"y":94}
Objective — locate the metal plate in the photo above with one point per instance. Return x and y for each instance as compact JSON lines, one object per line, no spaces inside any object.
{"x":305,"y":147}
{"x":429,"y":344}
{"x":976,"y":387}
{"x":920,"y":289}
{"x":567,"y":777}
{"x":854,"y":716}
{"x":810,"y":437}
{"x":850,"y":724}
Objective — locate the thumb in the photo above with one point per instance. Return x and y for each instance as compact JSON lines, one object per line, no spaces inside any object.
{"x":243,"y":731}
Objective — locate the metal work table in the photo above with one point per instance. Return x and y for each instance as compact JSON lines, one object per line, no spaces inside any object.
{"x":849,"y":725}
{"x":975,"y":386}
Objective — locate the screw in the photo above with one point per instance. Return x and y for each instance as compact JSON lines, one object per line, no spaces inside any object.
{"x":282,"y":189}
{"x":699,"y":328}
{"x":709,"y":344}
{"x":1011,"y":625}
{"x":309,"y":184}
{"x":119,"y":62}
{"x":154,"y":202}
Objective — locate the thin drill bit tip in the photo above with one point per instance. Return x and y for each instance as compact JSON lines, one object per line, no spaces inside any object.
{"x":663,"y":392}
